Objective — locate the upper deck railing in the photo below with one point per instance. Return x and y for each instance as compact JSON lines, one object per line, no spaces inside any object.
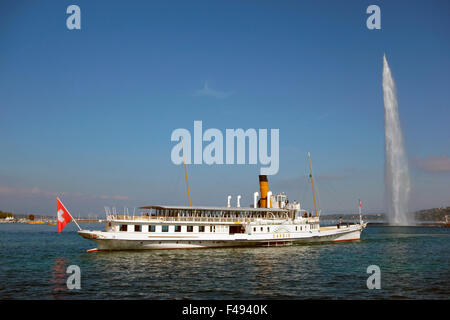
{"x":116,"y":217}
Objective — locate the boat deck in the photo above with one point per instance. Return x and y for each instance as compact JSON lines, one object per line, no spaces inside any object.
{"x":328,"y":228}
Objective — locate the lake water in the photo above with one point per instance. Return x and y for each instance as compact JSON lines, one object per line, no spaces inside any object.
{"x":414,"y":263}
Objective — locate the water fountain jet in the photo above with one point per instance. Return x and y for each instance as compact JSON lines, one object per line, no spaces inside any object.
{"x":397,"y":182}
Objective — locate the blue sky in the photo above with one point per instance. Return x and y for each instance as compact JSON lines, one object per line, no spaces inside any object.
{"x":88,"y":114}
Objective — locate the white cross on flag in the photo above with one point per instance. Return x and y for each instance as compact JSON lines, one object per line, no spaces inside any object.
{"x":63,"y":215}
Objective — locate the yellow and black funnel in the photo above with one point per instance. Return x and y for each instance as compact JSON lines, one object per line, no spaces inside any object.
{"x":264,"y":188}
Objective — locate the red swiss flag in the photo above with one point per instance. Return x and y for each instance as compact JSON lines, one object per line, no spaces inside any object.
{"x":63,"y":215}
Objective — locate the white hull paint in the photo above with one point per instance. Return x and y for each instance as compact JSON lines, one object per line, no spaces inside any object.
{"x":145,"y":241}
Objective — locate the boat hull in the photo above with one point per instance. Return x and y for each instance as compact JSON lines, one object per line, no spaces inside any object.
{"x":106,"y":242}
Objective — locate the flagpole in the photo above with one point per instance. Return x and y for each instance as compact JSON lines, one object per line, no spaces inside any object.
{"x":69,"y":214}
{"x":360,"y":216}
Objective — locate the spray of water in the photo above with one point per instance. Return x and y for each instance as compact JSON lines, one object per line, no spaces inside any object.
{"x":397,"y":182}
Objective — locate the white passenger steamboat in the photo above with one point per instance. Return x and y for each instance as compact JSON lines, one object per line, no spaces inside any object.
{"x":271,"y":221}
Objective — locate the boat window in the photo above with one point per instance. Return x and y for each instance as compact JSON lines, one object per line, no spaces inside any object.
{"x":190,"y":228}
{"x":236,"y":229}
{"x":165,"y":228}
{"x":123,"y":227}
{"x":177,"y":228}
{"x":201,"y":228}
{"x":261,"y":229}
{"x":137,"y":228}
{"x":254,"y":229}
{"x":151,"y":228}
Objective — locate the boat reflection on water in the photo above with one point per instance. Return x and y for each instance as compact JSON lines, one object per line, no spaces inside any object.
{"x":59,"y":277}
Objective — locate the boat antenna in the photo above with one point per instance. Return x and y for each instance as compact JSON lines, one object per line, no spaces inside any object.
{"x":185,"y":172}
{"x":312,"y":182}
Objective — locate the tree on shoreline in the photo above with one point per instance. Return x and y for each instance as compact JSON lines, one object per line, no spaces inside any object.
{"x":4,"y":215}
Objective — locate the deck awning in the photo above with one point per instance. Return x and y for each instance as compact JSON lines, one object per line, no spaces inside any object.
{"x":233,"y":209}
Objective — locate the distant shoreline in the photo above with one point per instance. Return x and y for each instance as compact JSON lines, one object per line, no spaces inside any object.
{"x":429,"y":217}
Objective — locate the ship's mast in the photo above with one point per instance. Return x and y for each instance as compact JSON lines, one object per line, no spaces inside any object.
{"x":312,"y":182}
{"x":185,"y":172}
